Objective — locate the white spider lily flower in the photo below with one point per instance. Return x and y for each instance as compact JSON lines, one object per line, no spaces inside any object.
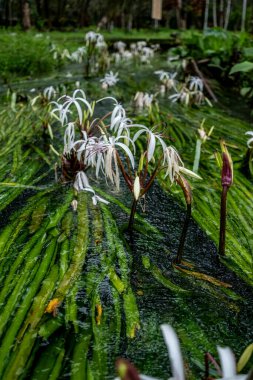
{"x":184,"y":96}
{"x":49,"y":92}
{"x":74,"y":100}
{"x":65,"y":54}
{"x":138,"y":99}
{"x":147,"y":52}
{"x":173,"y":163}
{"x":148,"y":99}
{"x":152,"y":138}
{"x":82,"y":184}
{"x":90,"y":37}
{"x":110,"y":79}
{"x":120,"y":46}
{"x":69,"y":138}
{"x":137,"y":188}
{"x":111,"y":160}
{"x":167,"y":78}
{"x":127,"y":55}
{"x":59,"y":110}
{"x":81,"y":181}
{"x":250,"y":140}
{"x":163,"y":75}
{"x":195,"y":84}
{"x":141,"y":44}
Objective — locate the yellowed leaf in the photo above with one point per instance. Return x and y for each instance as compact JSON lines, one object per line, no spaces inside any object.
{"x":245,"y":357}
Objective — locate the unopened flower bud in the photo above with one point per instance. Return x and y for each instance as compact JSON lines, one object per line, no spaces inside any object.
{"x":126,"y":370}
{"x":227,"y":170}
{"x":137,"y":188}
{"x":74,"y":204}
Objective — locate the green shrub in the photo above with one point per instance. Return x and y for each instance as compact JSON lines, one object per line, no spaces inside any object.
{"x":24,"y":55}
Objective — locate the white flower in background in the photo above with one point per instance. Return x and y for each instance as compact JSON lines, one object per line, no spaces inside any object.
{"x":142,"y":100}
{"x":65,"y":54}
{"x":33,"y":90}
{"x":78,"y":55}
{"x":133,"y":46}
{"x":141,"y":44}
{"x":163,"y":75}
{"x":168,"y":79}
{"x":162,"y":89}
{"x":109,"y":80}
{"x":155,"y":47}
{"x":116,"y":57}
{"x":69,"y":75}
{"x":91,"y":37}
{"x":148,"y":99}
{"x":120,"y":46}
{"x":138,"y":99}
{"x":49,"y":93}
{"x":95,"y":39}
{"x":250,"y":140}
{"x":127,"y":55}
{"x":184,"y":96}
{"x":195,"y":84}
{"x":148,"y":52}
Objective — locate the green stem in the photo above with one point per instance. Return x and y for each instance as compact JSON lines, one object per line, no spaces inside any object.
{"x":131,"y":219}
{"x":183,"y":235}
{"x":197,"y":156}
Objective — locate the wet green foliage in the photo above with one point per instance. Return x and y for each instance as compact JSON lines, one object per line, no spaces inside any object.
{"x":76,"y":291}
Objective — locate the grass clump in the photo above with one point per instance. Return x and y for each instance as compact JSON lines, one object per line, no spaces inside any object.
{"x":24,"y":55}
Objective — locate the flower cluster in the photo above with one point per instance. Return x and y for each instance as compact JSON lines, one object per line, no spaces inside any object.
{"x":108,"y":145}
{"x":191,"y":92}
{"x":138,"y":51}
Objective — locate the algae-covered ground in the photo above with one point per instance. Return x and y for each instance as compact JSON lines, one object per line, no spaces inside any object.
{"x":76,"y":290}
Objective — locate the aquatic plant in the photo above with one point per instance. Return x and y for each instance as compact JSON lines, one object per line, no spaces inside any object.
{"x":100,"y":145}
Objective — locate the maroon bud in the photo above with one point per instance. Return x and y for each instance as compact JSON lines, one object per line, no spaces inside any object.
{"x":126,"y":370}
{"x":227,"y":171}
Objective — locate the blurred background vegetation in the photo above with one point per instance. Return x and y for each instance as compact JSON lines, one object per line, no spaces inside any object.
{"x":126,"y":14}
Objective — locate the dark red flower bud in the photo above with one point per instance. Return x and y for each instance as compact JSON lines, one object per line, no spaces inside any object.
{"x":227,"y":170}
{"x":126,"y":370}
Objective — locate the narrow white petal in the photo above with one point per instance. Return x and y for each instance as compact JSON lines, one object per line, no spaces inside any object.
{"x":128,"y":152}
{"x":227,"y":360}
{"x":151,"y":146}
{"x":188,"y":172}
{"x":173,"y":346}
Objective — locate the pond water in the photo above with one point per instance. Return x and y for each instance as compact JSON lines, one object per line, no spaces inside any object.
{"x":77,"y":291}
